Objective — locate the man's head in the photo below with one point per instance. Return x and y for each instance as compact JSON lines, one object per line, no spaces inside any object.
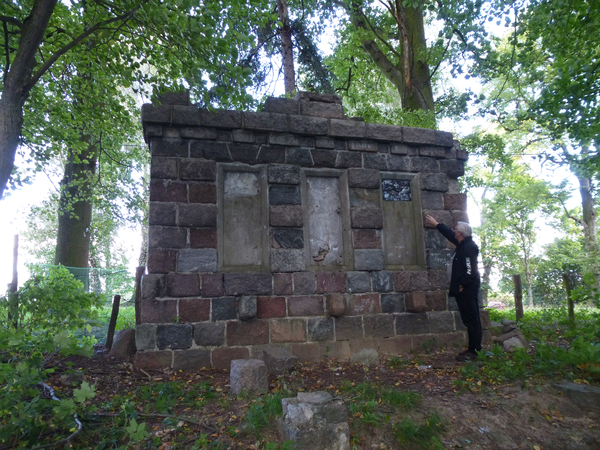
{"x":462,"y":230}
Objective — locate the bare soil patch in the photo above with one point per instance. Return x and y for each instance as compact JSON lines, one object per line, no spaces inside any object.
{"x":490,"y":416}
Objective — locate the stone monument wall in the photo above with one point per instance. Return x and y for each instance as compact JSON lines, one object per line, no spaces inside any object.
{"x":294,"y":227}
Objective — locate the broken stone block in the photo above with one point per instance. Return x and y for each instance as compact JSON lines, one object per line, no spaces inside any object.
{"x":586,"y":397}
{"x":512,"y":340}
{"x":247,"y":307}
{"x":316,"y":421}
{"x":248,"y":376}
{"x":123,"y":344}
{"x":366,"y":357}
{"x":279,"y":360}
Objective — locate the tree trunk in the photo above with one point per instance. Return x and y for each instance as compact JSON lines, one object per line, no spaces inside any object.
{"x":17,"y":86}
{"x":410,"y":75}
{"x":75,"y":209}
{"x":287,"y":52}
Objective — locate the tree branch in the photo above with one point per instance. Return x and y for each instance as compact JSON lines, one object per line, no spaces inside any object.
{"x":124,"y":17}
{"x":8,"y":19}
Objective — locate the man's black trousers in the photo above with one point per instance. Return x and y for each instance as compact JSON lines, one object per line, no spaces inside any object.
{"x":468,"y":305}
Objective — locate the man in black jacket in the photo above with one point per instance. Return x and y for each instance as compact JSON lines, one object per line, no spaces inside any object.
{"x":464,"y":281}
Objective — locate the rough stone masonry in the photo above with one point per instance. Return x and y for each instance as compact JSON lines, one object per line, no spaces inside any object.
{"x":294,"y":227}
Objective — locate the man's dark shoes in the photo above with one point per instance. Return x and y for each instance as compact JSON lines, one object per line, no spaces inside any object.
{"x":467,"y":355}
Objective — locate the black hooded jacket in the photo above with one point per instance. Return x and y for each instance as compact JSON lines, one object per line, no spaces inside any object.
{"x":464,"y":262}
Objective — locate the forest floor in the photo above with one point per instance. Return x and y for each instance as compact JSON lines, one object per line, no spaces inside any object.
{"x":467,"y":415}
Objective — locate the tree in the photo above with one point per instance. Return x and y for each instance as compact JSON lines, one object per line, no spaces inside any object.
{"x":181,"y":40}
{"x":509,"y":226}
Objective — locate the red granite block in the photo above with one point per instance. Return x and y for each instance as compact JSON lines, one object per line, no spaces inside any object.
{"x":268,"y":307}
{"x":194,"y":310}
{"x":222,"y":357}
{"x":247,"y":333}
{"x":331,"y":282}
{"x":364,"y":304}
{"x":310,"y":305}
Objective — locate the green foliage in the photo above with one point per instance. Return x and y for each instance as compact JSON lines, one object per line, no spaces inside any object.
{"x":263,"y":411}
{"x":563,"y":350}
{"x":414,"y":435}
{"x":39,"y":320}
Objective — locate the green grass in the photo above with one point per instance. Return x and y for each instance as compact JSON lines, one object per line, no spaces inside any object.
{"x":563,"y":350}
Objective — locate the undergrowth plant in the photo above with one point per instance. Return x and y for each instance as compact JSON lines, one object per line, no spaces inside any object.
{"x":38,"y":322}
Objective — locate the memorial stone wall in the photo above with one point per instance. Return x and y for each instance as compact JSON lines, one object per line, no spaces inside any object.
{"x":296,"y":227}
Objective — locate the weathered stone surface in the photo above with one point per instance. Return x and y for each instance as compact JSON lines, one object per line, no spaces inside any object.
{"x":335,"y":304}
{"x":247,"y":307}
{"x":153,"y":360}
{"x":197,"y":169}
{"x":281,"y":105}
{"x":399,"y":163}
{"x":358,"y":282}
{"x":313,"y":126}
{"x":315,"y":421}
{"x":183,"y":285}
{"x":452,"y":167}
{"x":224,"y":308}
{"x":423,"y":164}
{"x":379,"y":325}
{"x":203,"y":238}
{"x":416,"y":302}
{"x":366,"y":239}
{"x":123,"y":344}
{"x":166,"y":237}
{"x":320,"y":329}
{"x":512,"y":340}
{"x":331,"y":282}
{"x":305,"y":283}
{"x":169,"y":147}
{"x":282,"y":283}
{"x":363,"y":178}
{"x":202,"y":192}
{"x":174,"y":336}
{"x":348,"y":327}
{"x":363,"y":304}
{"x":286,"y":216}
{"x":432,"y":152}
{"x":309,"y":305}
{"x":194,"y":309}
{"x":347,"y":128}
{"x":248,"y":284}
{"x":368,"y":260}
{"x":270,"y":155}
{"x":377,"y":161}
{"x":438,"y":259}
{"x":222,"y":357}
{"x":163,"y":167}
{"x":435,"y":240}
{"x":209,"y":334}
{"x":409,"y":323}
{"x":434,"y":182}
{"x":287,"y":260}
{"x":268,"y":307}
{"x":279,"y":360}
{"x":284,"y":139}
{"x":284,"y":195}
{"x":220,"y":118}
{"x":323,"y":158}
{"x":384,"y":132}
{"x":168,"y":191}
{"x":245,"y":153}
{"x":287,"y":238}
{"x":265,"y":121}
{"x":345,"y":160}
{"x":412,"y":135}
{"x":248,"y":376}
{"x":437,"y":301}
{"x":364,"y":197}
{"x":153,"y":286}
{"x":197,"y":215}
{"x":432,"y":200}
{"x":306,"y":96}
{"x":255,"y":332}
{"x":441,"y":322}
{"x":159,"y":311}
{"x":288,"y":330}
{"x":366,"y":217}
{"x":208,"y":151}
{"x":198,"y":133}
{"x":455,"y":201}
{"x":324,"y":142}
{"x":191,"y":360}
{"x":382,"y":281}
{"x":365,"y":357}
{"x":283,"y":174}
{"x":584,"y":396}
{"x":301,"y":156}
{"x":392,"y":303}
{"x":321,"y":109}
{"x":145,"y":336}
{"x":363,"y":146}
{"x":197,"y":260}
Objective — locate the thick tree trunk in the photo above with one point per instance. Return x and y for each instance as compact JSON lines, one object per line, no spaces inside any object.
{"x":75,"y":209}
{"x":410,"y":75}
{"x":287,"y":52}
{"x":17,"y":86}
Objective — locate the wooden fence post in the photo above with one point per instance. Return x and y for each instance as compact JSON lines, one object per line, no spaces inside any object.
{"x":139,"y":273}
{"x":113,"y":322}
{"x":518,"y":296}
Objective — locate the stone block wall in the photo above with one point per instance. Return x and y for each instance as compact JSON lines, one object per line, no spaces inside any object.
{"x":295,"y":227}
